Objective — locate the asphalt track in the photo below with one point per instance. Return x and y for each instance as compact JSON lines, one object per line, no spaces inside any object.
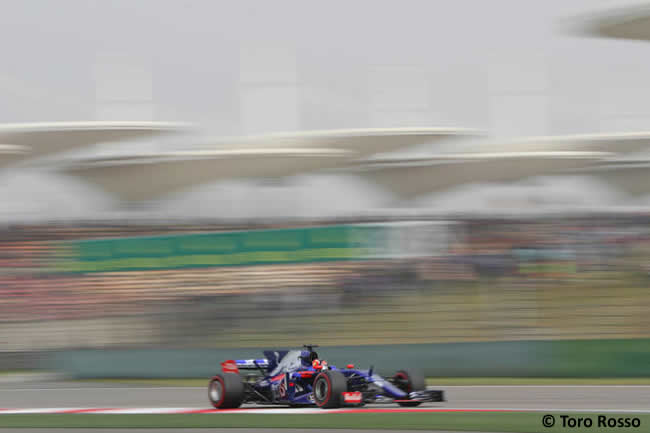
{"x":577,"y":397}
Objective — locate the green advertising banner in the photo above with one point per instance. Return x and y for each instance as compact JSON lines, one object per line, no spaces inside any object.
{"x":316,"y":244}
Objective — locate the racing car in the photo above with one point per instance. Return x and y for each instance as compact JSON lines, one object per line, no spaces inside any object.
{"x":299,"y":378}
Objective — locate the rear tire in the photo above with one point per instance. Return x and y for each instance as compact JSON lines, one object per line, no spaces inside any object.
{"x":226,"y":391}
{"x":409,"y":381}
{"x":329,"y":387}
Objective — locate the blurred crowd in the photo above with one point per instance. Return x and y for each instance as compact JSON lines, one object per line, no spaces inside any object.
{"x":545,"y":277}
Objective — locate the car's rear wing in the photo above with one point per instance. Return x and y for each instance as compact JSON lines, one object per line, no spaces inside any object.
{"x":252,"y":364}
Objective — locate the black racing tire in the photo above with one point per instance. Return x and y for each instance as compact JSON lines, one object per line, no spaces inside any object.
{"x":329,"y":387}
{"x":226,"y":391}
{"x":409,"y":381}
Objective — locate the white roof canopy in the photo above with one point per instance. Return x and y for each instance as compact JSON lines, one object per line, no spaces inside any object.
{"x":408,"y":178}
{"x":146,"y":177}
{"x":11,"y":152}
{"x":628,"y":23}
{"x":631,"y":177}
{"x":39,"y":139}
{"x":621,"y":143}
{"x":364,"y":142}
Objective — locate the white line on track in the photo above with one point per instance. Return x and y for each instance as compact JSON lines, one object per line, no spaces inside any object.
{"x":540,"y":386}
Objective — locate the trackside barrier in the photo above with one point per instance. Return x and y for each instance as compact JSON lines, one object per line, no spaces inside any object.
{"x":560,"y":358}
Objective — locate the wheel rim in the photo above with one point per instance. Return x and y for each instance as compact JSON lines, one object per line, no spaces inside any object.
{"x":216,"y":391}
{"x":320,"y":390}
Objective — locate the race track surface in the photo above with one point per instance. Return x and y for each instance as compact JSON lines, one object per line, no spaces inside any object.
{"x":70,"y":395}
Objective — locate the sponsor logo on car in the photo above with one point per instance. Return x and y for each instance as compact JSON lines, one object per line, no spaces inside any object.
{"x":229,"y":367}
{"x":352,"y":397}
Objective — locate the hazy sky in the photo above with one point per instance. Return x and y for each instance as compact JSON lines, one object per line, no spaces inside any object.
{"x":239,"y":67}
{"x":443,"y":62}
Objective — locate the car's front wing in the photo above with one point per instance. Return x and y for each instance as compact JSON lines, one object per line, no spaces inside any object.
{"x":425,"y":396}
{"x":428,"y":395}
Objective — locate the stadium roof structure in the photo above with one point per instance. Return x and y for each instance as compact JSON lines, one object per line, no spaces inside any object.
{"x":145,"y":177}
{"x":11,"y":152}
{"x":503,"y":162}
{"x":620,"y":143}
{"x":629,"y":176}
{"x":631,"y":23}
{"x":30,"y":140}
{"x":411,"y":177}
{"x":364,"y":142}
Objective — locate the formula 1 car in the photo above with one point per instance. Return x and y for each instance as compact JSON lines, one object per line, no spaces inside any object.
{"x":300,"y":378}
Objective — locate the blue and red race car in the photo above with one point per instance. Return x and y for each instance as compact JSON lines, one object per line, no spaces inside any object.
{"x":300,"y":378}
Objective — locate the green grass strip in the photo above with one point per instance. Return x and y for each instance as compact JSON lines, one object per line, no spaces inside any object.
{"x":523,"y":422}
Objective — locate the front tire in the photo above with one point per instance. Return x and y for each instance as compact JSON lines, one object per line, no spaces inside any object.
{"x":329,"y":387}
{"x":409,"y":381}
{"x":226,"y":391}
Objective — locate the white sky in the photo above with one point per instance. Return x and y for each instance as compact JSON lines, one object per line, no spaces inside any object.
{"x":239,"y":67}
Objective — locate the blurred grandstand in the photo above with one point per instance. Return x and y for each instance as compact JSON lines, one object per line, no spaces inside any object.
{"x":554,"y":277}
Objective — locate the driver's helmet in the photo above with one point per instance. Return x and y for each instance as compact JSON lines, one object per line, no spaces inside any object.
{"x":308,"y":357}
